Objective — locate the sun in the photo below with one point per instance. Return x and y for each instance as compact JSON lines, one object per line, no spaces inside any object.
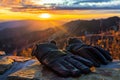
{"x":45,"y":15}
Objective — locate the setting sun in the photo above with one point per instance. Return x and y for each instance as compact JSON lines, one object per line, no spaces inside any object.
{"x":45,"y":15}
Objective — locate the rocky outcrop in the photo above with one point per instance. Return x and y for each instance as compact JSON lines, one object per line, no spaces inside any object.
{"x":19,"y":58}
{"x":17,"y":64}
{"x":2,"y":53}
{"x":5,"y":64}
{"x":39,"y":72}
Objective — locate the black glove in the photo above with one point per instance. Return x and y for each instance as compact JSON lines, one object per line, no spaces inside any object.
{"x":62,"y":62}
{"x":95,"y":54}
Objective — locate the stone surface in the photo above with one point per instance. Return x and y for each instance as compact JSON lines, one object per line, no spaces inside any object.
{"x":16,"y":67}
{"x":7,"y":61}
{"x":5,"y":64}
{"x":2,"y":53}
{"x":19,"y":58}
{"x":39,"y":72}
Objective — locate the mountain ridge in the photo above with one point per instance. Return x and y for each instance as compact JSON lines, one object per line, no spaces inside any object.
{"x":92,"y":26}
{"x":21,"y":36}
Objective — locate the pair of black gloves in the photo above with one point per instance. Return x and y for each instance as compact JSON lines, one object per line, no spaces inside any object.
{"x":77,"y":59}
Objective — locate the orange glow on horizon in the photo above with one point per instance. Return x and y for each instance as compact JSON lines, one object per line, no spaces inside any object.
{"x":6,"y":14}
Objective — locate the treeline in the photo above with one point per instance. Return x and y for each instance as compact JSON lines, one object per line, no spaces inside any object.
{"x":109,"y":40}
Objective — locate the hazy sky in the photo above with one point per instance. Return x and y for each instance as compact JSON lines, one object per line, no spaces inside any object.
{"x":58,"y":9}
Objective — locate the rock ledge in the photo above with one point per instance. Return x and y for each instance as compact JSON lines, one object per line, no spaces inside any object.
{"x":39,"y":72}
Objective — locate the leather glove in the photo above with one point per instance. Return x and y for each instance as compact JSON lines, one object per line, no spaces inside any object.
{"x":95,"y":54}
{"x":62,"y":62}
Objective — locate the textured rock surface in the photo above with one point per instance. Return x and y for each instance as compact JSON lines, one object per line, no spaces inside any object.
{"x":19,"y":58}
{"x":5,"y":64}
{"x":7,"y":61}
{"x":39,"y":72}
{"x":2,"y":53}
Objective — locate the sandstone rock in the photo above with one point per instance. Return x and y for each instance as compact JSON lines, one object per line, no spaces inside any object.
{"x":39,"y":72}
{"x":2,"y":53}
{"x":19,"y":58}
{"x":5,"y":64}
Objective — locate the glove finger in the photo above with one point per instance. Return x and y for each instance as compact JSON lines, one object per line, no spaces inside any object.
{"x":87,"y":55}
{"x":79,"y":65}
{"x":98,"y":55}
{"x":83,"y":60}
{"x":105,"y":53}
{"x":60,"y":69}
{"x":73,"y":70}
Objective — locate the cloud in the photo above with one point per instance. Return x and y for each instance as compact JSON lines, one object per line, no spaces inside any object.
{"x":63,"y":4}
{"x":90,"y":4}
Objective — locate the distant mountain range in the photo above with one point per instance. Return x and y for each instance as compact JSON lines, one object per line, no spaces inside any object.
{"x":19,"y":34}
{"x":31,"y":24}
{"x":16,"y":28}
{"x":84,"y":27}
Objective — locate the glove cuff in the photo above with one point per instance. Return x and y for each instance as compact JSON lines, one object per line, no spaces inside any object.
{"x":46,"y":53}
{"x":42,"y":49}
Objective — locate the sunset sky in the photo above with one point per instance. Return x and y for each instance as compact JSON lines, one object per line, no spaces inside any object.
{"x":58,"y":9}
